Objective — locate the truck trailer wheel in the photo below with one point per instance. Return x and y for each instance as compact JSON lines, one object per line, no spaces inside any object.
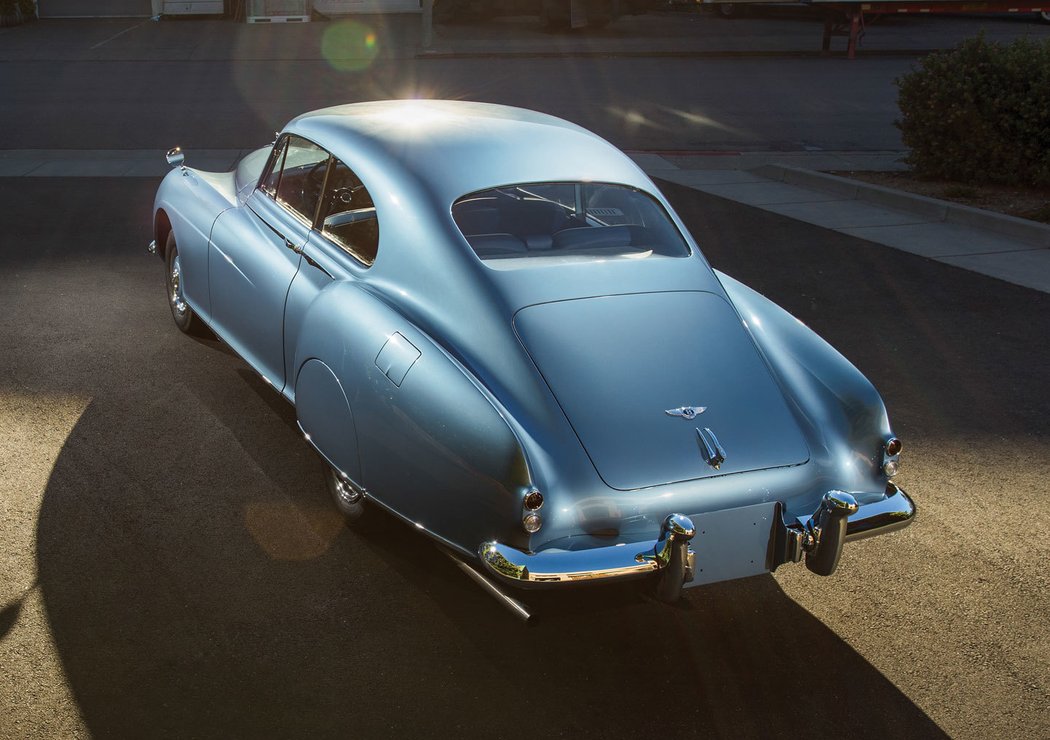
{"x":557,"y":14}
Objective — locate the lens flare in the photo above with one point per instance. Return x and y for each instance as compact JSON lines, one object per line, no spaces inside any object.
{"x":349,"y":46}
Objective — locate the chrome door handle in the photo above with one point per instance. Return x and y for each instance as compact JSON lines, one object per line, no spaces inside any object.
{"x":292,"y":247}
{"x":313,"y":263}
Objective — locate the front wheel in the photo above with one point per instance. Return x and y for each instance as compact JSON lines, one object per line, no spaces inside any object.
{"x":181,"y":312}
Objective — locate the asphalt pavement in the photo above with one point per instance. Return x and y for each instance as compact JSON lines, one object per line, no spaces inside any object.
{"x":206,"y":84}
{"x":172,"y":567}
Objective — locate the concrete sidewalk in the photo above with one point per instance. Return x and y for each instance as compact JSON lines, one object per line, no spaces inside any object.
{"x":1011,"y":249}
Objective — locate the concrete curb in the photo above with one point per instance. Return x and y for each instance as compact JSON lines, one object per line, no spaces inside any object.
{"x":1030,"y":232}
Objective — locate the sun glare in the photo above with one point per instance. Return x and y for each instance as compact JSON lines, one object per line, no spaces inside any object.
{"x":349,"y":46}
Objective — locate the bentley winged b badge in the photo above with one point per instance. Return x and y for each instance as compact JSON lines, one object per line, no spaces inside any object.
{"x":686,"y":412}
{"x":710,"y":448}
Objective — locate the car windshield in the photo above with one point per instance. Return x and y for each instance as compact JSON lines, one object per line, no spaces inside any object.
{"x":566,"y":222}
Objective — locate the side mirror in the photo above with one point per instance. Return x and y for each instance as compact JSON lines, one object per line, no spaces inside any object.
{"x":175,"y":157}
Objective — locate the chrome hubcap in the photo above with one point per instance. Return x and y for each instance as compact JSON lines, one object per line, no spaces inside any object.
{"x":175,"y":285}
{"x":346,"y":494}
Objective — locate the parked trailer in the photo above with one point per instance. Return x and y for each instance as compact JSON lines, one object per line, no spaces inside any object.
{"x":848,"y":18}
{"x":555,"y":13}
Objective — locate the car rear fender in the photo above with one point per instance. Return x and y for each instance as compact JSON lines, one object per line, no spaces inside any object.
{"x":844,"y":416}
{"x":428,"y":441}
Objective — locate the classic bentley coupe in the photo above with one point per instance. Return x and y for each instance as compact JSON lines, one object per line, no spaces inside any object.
{"x":492,"y":324}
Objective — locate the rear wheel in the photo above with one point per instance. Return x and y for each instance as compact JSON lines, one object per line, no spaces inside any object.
{"x":181,"y":312}
{"x":348,"y":498}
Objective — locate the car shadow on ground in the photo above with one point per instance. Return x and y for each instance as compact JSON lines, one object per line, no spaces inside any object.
{"x":198,"y":584}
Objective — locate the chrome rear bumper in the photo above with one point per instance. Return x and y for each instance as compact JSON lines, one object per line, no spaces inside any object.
{"x":894,"y":512}
{"x":622,"y":561}
{"x":811,"y":537}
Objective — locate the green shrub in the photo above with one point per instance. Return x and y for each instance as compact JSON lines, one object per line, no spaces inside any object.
{"x":980,"y":113}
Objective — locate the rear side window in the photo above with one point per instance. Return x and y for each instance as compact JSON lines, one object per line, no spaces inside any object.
{"x":348,"y":215}
{"x":567,"y":222}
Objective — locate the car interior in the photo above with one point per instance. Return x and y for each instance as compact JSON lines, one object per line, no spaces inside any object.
{"x":558,"y":219}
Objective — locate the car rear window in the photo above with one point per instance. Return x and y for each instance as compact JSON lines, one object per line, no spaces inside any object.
{"x":567,"y":222}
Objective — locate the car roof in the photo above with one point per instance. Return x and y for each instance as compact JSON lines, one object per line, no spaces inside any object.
{"x":453,"y":148}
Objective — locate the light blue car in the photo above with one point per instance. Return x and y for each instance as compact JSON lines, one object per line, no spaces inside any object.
{"x":493,"y":325}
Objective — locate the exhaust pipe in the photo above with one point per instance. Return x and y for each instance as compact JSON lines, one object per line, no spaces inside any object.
{"x":518,"y":609}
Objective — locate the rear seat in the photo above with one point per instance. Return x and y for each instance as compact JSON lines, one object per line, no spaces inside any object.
{"x":496,"y":245}
{"x":592,"y":237}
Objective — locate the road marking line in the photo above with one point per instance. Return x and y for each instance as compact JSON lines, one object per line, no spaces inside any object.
{"x":121,"y":33}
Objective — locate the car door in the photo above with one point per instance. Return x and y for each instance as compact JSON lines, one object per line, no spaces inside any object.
{"x":256,"y":250}
{"x":341,"y":248}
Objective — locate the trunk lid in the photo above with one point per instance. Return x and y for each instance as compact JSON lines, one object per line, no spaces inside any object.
{"x":616,"y":364}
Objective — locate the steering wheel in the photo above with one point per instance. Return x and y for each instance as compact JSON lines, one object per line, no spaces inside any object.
{"x":345,"y":194}
{"x":313,"y":182}
{"x":339,"y":199}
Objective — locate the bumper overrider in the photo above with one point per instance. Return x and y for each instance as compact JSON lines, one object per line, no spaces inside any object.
{"x":818,"y":538}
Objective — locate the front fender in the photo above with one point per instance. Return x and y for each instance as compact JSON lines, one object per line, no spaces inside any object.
{"x":188,"y":203}
{"x":433,"y":446}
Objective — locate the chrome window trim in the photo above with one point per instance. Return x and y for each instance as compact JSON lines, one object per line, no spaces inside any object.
{"x":342,"y":247}
{"x":279,"y":148}
{"x":282,"y":145}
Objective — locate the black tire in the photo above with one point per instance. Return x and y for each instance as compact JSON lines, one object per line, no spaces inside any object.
{"x":600,"y":13}
{"x":445,"y":11}
{"x":349,"y":500}
{"x":181,"y":312}
{"x":557,"y":14}
{"x":465,"y":11}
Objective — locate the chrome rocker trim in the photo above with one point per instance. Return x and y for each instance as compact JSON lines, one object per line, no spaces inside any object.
{"x":819,"y":538}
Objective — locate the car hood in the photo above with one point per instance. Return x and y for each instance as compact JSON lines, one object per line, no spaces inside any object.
{"x":617,"y":364}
